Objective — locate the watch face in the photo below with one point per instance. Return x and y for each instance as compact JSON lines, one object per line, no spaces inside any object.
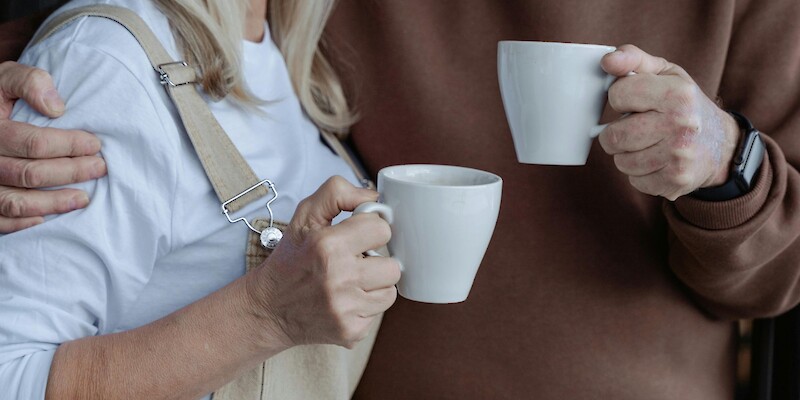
{"x":753,"y":156}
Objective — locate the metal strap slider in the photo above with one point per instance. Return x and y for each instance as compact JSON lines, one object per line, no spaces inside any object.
{"x":271,"y":236}
{"x":164,"y":75}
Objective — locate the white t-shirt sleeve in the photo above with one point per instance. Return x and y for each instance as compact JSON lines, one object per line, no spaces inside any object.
{"x":74,"y":275}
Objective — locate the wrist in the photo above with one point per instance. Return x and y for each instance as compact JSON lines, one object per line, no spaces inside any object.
{"x":264,"y":324}
{"x":732,"y":136}
{"x":743,"y":168}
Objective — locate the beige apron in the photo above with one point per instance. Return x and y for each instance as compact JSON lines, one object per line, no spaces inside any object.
{"x":302,"y":372}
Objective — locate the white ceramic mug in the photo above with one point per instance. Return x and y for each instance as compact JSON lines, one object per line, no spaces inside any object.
{"x":442,"y":218}
{"x":553,"y":94}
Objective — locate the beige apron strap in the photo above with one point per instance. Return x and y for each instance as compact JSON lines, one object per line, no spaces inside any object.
{"x":225,"y":167}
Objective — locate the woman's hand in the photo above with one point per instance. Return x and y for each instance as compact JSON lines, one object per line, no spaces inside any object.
{"x":33,"y":157}
{"x":317,"y":287}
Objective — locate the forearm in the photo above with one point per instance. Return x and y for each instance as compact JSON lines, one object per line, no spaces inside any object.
{"x":186,"y":354}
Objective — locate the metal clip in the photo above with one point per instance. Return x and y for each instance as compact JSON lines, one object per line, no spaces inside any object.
{"x":165,"y":80}
{"x":271,"y":236}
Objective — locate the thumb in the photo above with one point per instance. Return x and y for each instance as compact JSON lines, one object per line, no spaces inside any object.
{"x":629,"y":58}
{"x":33,"y":85}
{"x":333,"y":197}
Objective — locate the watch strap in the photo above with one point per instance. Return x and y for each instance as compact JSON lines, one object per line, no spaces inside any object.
{"x":727,"y":191}
{"x":744,"y":166}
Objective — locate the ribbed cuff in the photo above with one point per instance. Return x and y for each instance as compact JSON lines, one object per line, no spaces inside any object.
{"x":718,"y":215}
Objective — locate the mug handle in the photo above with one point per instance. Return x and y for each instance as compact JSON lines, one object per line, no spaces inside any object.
{"x":610,"y":79}
{"x":383,"y":211}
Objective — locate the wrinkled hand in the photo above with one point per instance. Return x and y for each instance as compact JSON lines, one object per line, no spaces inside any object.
{"x":675,"y":139}
{"x":317,"y":286}
{"x":32,"y":157}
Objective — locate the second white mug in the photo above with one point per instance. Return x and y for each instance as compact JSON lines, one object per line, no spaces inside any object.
{"x":442,"y":220}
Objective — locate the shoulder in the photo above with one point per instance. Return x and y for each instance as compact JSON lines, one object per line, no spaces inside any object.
{"x":106,"y":37}
{"x":92,"y":57}
{"x":111,"y":90}
{"x":100,"y":68}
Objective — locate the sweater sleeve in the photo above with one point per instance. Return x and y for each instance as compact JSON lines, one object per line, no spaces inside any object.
{"x":76,"y":274}
{"x":742,"y":257}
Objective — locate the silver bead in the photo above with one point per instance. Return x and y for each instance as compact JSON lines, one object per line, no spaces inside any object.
{"x":270,"y":237}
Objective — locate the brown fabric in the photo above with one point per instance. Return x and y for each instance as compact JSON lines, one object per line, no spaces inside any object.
{"x":589,"y":290}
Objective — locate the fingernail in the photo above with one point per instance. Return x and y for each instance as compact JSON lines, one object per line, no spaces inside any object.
{"x":99,"y":168}
{"x":78,"y":201}
{"x":616,"y":53}
{"x":53,"y":102}
{"x":91,"y":145}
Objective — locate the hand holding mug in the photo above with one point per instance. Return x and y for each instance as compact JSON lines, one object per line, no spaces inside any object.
{"x":675,"y":139}
{"x":316,"y":287}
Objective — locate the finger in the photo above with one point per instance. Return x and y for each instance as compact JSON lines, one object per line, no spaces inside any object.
{"x":378,"y":301}
{"x":363,"y":232}
{"x":641,"y":93}
{"x":634,"y":132}
{"x":9,"y":225}
{"x":378,"y":273}
{"x":22,"y":203}
{"x":334,"y":196}
{"x":644,"y":162}
{"x":23,"y":173}
{"x":18,"y":139}
{"x":33,"y":85}
{"x":629,"y":58}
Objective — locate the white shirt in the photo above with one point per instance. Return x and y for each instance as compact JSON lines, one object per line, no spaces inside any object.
{"x":152,"y":239}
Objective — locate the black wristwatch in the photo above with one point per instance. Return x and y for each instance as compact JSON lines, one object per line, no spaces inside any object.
{"x":745,"y":165}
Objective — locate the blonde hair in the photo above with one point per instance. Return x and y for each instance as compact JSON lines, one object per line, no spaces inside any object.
{"x":210,"y":33}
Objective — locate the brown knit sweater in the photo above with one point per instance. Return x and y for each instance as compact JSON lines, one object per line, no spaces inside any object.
{"x":589,"y":290}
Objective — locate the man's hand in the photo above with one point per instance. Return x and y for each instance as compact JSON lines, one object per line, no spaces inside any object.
{"x":32,"y":157}
{"x":675,"y":139}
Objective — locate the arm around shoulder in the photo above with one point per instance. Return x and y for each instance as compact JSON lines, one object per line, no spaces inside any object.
{"x":33,"y":157}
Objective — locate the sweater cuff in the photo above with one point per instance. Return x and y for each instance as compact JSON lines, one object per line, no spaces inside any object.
{"x":718,"y":215}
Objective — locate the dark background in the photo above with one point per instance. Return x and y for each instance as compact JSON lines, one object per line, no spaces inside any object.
{"x":11,"y":9}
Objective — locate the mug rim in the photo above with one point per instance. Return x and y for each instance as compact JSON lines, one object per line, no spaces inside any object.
{"x":494,"y":178}
{"x":552,"y":44}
